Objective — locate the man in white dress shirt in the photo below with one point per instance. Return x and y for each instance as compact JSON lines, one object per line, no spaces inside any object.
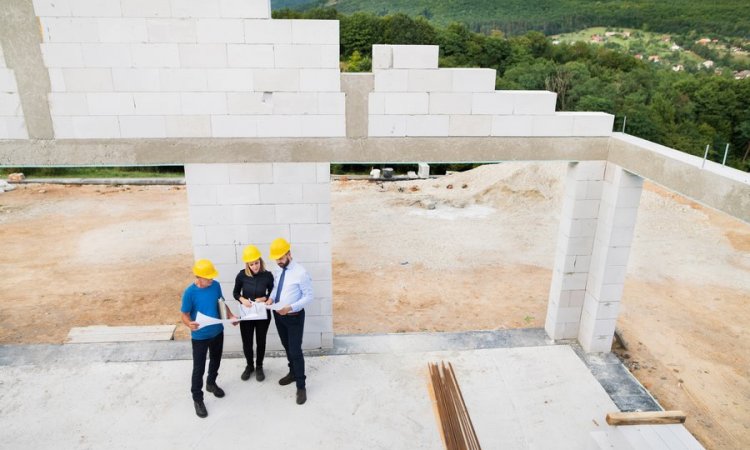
{"x":292,"y":291}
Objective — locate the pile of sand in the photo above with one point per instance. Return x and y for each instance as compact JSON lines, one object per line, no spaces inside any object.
{"x":493,"y":185}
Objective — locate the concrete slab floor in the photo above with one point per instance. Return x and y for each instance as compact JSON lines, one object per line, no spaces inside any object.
{"x":526,"y":397}
{"x":534,"y":397}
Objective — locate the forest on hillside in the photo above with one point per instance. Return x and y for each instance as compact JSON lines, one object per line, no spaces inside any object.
{"x":514,"y":17}
{"x":682,"y":110}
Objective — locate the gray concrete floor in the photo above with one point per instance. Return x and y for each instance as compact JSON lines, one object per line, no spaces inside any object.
{"x":368,"y":392}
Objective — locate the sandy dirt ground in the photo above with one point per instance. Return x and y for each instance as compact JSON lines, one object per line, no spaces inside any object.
{"x":75,"y":256}
{"x":481,"y":259}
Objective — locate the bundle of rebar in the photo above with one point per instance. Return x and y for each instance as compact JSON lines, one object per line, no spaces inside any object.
{"x":458,"y":431}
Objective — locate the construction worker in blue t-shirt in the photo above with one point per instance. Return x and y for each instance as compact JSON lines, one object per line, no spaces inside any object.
{"x":203,"y":297}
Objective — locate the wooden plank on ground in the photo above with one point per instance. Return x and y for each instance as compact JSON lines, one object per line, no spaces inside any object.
{"x":103,"y":333}
{"x":645,"y":418}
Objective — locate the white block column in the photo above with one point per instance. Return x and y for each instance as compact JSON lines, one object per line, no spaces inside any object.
{"x":12,"y":121}
{"x":578,"y":222}
{"x":614,"y":235}
{"x":233,"y":205}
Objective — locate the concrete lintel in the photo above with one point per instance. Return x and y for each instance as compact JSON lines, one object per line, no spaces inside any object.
{"x":143,"y":152}
{"x":711,"y":184}
{"x":20,"y":35}
{"x":357,"y":87}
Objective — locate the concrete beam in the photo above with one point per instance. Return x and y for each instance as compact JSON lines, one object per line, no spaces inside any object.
{"x":710,"y":184}
{"x":144,"y":152}
{"x":20,"y":35}
{"x":357,"y":87}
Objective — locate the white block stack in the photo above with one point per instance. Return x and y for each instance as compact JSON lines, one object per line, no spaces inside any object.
{"x":575,"y":241}
{"x":189,"y":68}
{"x":614,"y":235}
{"x":413,"y":97}
{"x":233,"y":205}
{"x":12,"y":123}
{"x":596,"y":232}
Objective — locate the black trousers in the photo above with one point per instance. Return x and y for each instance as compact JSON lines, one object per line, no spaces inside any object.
{"x":290,"y":328}
{"x":213,"y":347}
{"x":260,"y":328}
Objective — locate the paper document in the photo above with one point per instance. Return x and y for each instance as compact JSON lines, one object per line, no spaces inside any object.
{"x":204,"y":320}
{"x":276,"y":306}
{"x":256,"y":311}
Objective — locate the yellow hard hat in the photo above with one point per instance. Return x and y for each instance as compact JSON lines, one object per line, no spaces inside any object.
{"x":279,"y":248}
{"x":250,"y":254}
{"x":205,"y":269}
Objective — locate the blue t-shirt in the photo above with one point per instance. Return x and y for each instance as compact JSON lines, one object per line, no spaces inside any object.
{"x":205,"y":300}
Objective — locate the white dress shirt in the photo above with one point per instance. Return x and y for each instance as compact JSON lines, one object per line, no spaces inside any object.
{"x":297,"y":290}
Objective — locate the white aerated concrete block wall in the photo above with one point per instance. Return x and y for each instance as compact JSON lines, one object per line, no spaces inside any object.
{"x":621,"y":196}
{"x":12,"y":123}
{"x":575,"y":242}
{"x":233,"y":205}
{"x":462,"y":101}
{"x":596,"y":231}
{"x":189,"y":68}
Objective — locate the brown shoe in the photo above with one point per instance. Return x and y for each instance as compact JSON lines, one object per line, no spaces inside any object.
{"x":301,"y":396}
{"x":288,"y":379}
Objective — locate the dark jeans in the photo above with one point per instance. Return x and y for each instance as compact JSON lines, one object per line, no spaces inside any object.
{"x":213,"y":347}
{"x":260,"y":327}
{"x":290,"y":329}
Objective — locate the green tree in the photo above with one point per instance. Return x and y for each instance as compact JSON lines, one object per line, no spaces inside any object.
{"x":496,"y":53}
{"x":531,"y":75}
{"x":402,"y":29}
{"x":358,"y":32}
{"x":454,"y":40}
{"x":358,"y":63}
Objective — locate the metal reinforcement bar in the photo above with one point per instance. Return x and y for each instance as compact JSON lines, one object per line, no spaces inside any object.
{"x":456,"y":426}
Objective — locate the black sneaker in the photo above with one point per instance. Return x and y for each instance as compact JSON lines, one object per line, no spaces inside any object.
{"x":301,"y":396}
{"x":246,"y":374}
{"x":216,"y":390}
{"x":200,"y":409}
{"x":288,"y":379}
{"x":259,"y":375}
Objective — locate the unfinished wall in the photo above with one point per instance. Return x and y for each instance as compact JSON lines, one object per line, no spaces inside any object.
{"x":413,"y":97}
{"x":134,"y":69}
{"x":575,"y":242}
{"x":618,"y":210}
{"x":233,"y":205}
{"x":596,"y":232}
{"x":12,"y":124}
{"x":189,"y":68}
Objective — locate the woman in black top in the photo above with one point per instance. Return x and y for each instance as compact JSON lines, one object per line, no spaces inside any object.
{"x":253,"y":284}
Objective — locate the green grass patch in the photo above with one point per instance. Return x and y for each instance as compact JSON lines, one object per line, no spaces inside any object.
{"x":96,"y":172}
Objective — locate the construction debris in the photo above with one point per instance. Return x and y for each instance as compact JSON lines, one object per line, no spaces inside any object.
{"x":427,"y":203}
{"x":5,"y":187}
{"x":457,"y":429}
